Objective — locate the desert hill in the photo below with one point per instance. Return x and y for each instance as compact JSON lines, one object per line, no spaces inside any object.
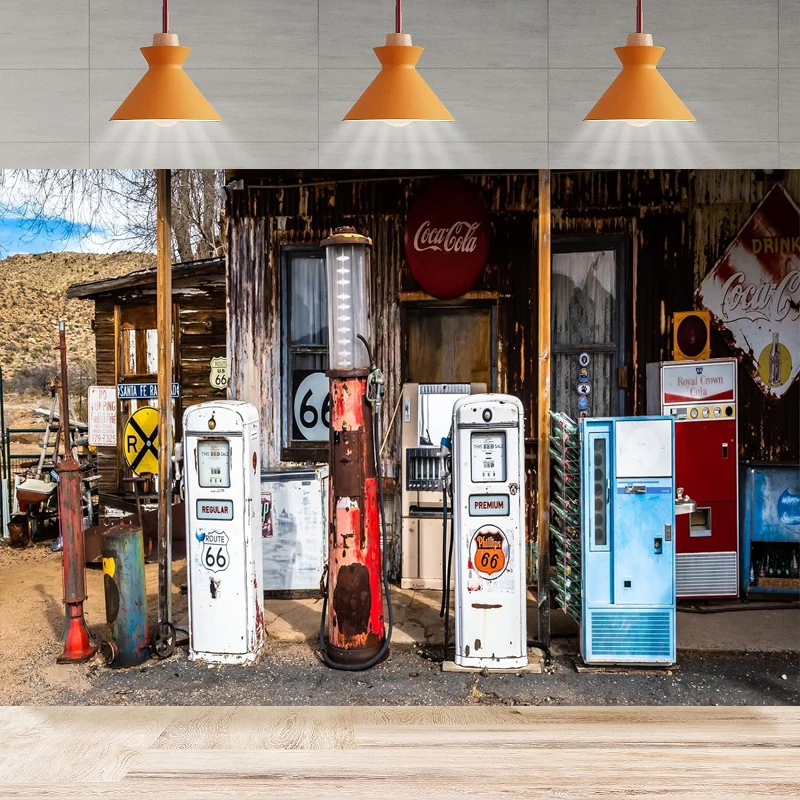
{"x":33,"y":297}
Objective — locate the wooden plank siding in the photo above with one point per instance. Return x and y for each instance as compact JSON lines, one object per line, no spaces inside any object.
{"x":200,"y":330}
{"x":106,"y":365}
{"x":676,"y":224}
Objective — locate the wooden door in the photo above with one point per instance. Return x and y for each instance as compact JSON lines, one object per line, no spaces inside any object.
{"x":450,"y":345}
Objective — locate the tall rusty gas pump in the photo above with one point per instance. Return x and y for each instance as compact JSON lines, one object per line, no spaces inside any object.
{"x":77,"y":647}
{"x":356,"y":571}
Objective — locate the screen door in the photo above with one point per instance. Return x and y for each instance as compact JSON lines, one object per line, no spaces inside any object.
{"x":588,"y":313}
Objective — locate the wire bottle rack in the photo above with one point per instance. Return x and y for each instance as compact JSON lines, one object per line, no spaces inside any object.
{"x":565,"y":513}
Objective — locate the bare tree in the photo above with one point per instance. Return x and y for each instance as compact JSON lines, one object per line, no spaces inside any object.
{"x":120,"y":205}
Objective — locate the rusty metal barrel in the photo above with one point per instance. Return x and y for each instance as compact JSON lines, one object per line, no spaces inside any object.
{"x":127,"y":643}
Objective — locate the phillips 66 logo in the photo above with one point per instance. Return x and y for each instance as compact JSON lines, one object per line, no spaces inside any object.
{"x":489,"y":552}
{"x":214,"y":554}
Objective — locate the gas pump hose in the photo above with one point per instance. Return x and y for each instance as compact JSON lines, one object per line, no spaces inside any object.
{"x":446,"y":587}
{"x":381,"y":654}
{"x":444,"y":546}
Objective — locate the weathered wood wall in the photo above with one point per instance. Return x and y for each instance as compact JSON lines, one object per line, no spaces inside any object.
{"x":106,"y":364}
{"x":200,"y":335}
{"x":677,"y":224}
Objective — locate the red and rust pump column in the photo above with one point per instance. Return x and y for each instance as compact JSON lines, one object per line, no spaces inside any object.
{"x":355,"y":620}
{"x":70,"y":521}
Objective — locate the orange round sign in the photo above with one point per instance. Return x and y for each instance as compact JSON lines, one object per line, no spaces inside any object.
{"x":489,"y":552}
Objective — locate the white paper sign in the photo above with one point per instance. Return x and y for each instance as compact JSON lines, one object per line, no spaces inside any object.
{"x":102,"y":405}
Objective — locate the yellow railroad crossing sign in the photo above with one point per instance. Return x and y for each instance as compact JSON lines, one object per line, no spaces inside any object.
{"x":140,"y":441}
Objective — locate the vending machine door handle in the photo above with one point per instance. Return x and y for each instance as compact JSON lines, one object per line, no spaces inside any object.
{"x":638,"y":488}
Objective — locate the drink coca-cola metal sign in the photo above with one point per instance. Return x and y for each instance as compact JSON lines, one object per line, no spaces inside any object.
{"x":753,"y":293}
{"x":447,"y":238}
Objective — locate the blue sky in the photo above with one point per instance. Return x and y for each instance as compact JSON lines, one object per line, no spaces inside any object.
{"x":55,"y":235}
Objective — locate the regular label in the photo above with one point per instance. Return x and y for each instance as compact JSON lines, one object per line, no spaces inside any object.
{"x":488,"y":505}
{"x":214,"y":509}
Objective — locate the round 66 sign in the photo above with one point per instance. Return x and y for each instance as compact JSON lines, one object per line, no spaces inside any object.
{"x":447,"y":238}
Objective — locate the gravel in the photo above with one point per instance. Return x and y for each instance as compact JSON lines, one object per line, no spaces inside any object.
{"x":287,"y":674}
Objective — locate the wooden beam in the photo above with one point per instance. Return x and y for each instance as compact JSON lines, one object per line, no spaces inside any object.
{"x":164,"y":325}
{"x":543,"y":423}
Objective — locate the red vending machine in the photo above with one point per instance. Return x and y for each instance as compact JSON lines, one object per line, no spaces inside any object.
{"x":701,"y":396}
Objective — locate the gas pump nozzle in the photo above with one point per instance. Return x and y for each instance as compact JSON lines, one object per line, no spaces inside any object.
{"x":446,"y":462}
{"x":177,"y":460}
{"x":177,"y":467}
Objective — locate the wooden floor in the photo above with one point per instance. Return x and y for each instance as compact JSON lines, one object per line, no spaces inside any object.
{"x":579,"y":753}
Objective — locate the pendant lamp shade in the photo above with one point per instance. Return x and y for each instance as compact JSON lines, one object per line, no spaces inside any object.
{"x":399,"y":95}
{"x":640,"y":95}
{"x":166,"y":95}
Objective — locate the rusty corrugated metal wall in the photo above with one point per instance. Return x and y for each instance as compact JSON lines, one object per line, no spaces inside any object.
{"x":677,"y":224}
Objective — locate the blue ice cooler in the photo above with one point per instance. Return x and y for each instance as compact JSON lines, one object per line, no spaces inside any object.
{"x":769,"y":513}
{"x":628,"y":541}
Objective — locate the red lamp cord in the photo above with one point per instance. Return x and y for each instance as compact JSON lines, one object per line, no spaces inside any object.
{"x":398,"y":16}
{"x":165,"y":16}
{"x":639,"y":17}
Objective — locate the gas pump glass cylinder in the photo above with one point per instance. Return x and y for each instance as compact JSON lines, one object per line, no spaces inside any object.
{"x":347,"y":268}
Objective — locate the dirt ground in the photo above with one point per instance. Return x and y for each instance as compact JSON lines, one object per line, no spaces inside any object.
{"x":30,"y":630}
{"x":289,"y":671}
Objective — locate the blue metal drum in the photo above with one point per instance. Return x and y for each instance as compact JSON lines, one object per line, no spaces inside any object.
{"x":127,"y":642}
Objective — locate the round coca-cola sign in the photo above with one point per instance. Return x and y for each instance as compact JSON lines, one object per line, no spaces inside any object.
{"x":447,"y":238}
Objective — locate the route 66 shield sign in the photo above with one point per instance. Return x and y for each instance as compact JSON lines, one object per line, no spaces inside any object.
{"x":489,"y":552}
{"x":219,"y":373}
{"x":214,"y":554}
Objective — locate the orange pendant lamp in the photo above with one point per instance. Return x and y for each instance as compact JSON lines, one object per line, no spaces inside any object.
{"x":399,"y":95}
{"x":639,"y":95}
{"x":166,"y":94}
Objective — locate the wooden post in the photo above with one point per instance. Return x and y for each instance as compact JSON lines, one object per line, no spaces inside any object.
{"x":164,"y":325}
{"x":543,"y":430}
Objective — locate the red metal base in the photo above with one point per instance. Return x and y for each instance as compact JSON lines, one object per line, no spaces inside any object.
{"x":77,"y":648}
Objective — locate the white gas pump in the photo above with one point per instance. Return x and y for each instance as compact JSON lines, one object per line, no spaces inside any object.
{"x":488,"y":483}
{"x":223,"y":531}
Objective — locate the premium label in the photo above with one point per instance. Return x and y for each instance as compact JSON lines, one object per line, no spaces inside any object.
{"x":488,"y":505}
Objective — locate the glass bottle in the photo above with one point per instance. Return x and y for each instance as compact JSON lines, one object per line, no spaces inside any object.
{"x":775,"y":361}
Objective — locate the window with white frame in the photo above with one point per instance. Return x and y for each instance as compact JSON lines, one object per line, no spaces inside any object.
{"x":306,"y":398}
